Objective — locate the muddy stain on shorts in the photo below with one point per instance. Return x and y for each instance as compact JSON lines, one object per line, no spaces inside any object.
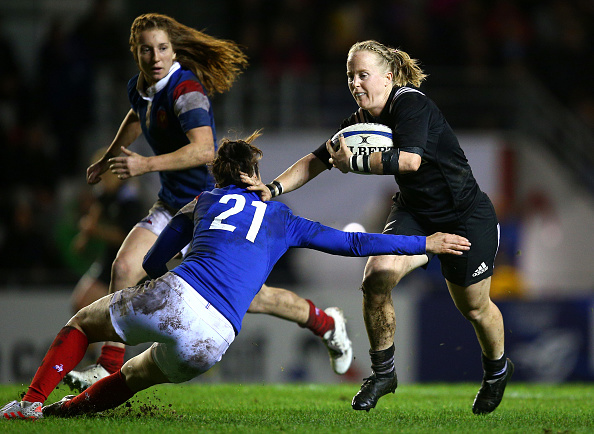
{"x":149,"y":298}
{"x":161,"y":296}
{"x":171,"y":318}
{"x":202,"y":351}
{"x":198,"y":358}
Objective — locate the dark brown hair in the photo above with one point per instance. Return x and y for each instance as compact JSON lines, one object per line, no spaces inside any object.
{"x":236,"y":156}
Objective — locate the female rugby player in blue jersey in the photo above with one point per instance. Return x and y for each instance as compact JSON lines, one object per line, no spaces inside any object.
{"x":193,"y":313}
{"x":438,"y":192}
{"x":180,"y":68}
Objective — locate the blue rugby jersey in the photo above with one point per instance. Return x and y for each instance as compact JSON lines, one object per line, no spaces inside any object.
{"x":236,"y":240}
{"x":179,"y":104}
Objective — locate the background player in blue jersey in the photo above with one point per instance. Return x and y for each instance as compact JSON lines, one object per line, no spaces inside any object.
{"x":180,"y":68}
{"x":194,"y":312}
{"x":438,"y":192}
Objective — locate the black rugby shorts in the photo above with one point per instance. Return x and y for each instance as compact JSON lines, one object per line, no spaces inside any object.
{"x":481,"y":229}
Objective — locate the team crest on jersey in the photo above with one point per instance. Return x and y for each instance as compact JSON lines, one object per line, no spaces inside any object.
{"x":162,"y":121}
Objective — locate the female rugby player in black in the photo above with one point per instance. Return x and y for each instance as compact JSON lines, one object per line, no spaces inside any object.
{"x":438,"y":192}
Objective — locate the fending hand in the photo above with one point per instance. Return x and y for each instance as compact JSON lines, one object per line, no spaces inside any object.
{"x":255,"y":184}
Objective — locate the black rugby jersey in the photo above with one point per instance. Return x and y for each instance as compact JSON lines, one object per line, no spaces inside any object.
{"x":444,"y":189}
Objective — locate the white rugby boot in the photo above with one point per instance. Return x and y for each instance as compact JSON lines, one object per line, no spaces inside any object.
{"x":55,"y":409}
{"x":338,"y":343}
{"x":22,"y":410}
{"x":82,"y":380}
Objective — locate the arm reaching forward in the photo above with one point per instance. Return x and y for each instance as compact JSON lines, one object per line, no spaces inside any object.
{"x":314,"y":235}
{"x":299,"y":174}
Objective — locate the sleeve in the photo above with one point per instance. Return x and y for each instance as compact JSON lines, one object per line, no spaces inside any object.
{"x":176,"y":235}
{"x":314,"y":235}
{"x":412,"y":123}
{"x":191,"y":105}
{"x":133,"y":94}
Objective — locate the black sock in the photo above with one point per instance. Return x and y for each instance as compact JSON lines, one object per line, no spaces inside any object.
{"x":382,"y":362}
{"x":494,"y":368}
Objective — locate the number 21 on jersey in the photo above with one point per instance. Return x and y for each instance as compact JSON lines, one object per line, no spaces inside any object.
{"x":217,"y":222}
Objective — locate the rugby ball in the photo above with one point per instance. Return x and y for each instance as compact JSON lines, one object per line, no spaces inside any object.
{"x":365,"y":138}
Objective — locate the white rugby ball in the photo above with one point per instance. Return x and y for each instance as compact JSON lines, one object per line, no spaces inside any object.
{"x":365,"y":138}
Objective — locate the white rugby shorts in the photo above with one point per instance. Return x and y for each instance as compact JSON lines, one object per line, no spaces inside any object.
{"x":190,"y":335}
{"x":158,"y":217}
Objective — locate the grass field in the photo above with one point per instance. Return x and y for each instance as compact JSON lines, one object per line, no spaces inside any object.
{"x":311,"y":408}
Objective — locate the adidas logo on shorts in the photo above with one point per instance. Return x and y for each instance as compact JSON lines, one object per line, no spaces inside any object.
{"x":480,"y":270}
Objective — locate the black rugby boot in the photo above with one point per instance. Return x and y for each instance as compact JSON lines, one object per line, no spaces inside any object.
{"x":490,"y":394}
{"x":372,"y":390}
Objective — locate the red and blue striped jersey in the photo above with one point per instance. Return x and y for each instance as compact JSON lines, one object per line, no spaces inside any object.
{"x":177,"y":107}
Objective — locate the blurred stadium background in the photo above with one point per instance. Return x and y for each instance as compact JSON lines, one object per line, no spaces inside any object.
{"x":514,"y":79}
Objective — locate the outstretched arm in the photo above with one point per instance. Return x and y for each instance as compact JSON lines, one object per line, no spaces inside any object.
{"x":319,"y":237}
{"x":299,"y":174}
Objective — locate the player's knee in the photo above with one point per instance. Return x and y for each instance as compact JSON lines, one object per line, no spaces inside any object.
{"x":126,"y":268}
{"x":119,"y":267}
{"x":136,"y":375}
{"x":80,"y":320}
{"x":380,"y":278}
{"x":474,"y":314}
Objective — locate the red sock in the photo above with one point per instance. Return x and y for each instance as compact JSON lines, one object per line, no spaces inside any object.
{"x":64,"y":354}
{"x":111,"y":358}
{"x":106,"y":393}
{"x":318,"y":322}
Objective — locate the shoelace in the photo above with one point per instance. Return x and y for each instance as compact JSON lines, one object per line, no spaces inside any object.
{"x":368,"y":380}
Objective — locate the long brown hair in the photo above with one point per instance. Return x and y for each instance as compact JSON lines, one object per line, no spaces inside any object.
{"x":234,"y":156}
{"x":216,"y":62}
{"x":405,"y":69}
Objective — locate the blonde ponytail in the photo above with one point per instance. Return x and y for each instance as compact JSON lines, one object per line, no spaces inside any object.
{"x":405,"y":69}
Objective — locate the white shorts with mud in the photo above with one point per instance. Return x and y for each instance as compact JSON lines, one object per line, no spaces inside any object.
{"x":190,"y":335}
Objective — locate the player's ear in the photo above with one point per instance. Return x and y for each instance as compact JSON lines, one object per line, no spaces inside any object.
{"x":389,"y":78}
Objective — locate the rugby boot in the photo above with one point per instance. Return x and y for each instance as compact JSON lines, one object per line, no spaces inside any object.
{"x":491,"y":392}
{"x":22,"y":410}
{"x":55,"y":409}
{"x":372,"y":390}
{"x":85,"y":378}
{"x":338,"y":343}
